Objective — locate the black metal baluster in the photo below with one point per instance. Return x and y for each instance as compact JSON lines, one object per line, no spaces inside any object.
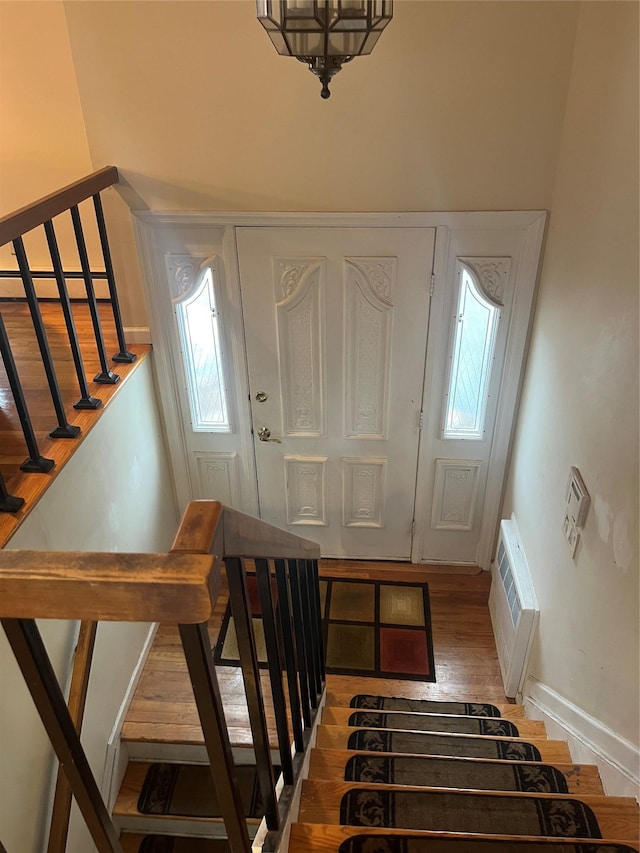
{"x":303,"y":674}
{"x":197,"y":652}
{"x":34,"y":663}
{"x":86,"y":401}
{"x":64,"y":429}
{"x":241,"y":609}
{"x":263,"y":575}
{"x":124,"y":355}
{"x":314,"y":675}
{"x":8,"y":503}
{"x":318,"y":611}
{"x":316,"y":627}
{"x":290,"y":652}
{"x":35,"y":463}
{"x":106,"y":377}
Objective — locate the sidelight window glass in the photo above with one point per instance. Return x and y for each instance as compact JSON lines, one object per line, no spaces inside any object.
{"x":471,"y":358}
{"x":199,"y":322}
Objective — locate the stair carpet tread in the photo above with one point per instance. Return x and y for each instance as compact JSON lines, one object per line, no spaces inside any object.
{"x":551,"y":751}
{"x":617,"y":816}
{"x":429,"y":722}
{"x":126,"y":805}
{"x":325,"y":838}
{"x":132,"y":842}
{"x":329,"y":764}
{"x":507,"y":710}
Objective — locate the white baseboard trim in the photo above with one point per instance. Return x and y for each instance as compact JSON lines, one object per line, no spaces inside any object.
{"x":137,"y":334}
{"x":117,"y":756}
{"x":590,"y":741}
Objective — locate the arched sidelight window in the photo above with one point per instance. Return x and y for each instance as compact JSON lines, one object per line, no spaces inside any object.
{"x":200,"y":327}
{"x":471,"y":358}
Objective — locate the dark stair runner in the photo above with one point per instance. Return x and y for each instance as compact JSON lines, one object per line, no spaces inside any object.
{"x":187,"y":790}
{"x":434,"y":723}
{"x":423,"y":706}
{"x":174,"y":844}
{"x":423,"y":743}
{"x":404,"y":844}
{"x":560,"y":817}
{"x":453,"y":773}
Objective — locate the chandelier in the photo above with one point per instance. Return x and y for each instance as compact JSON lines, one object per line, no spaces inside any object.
{"x":324,"y":34}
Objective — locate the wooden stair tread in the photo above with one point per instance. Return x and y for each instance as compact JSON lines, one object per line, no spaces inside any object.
{"x":327,"y":838}
{"x":341,"y":717}
{"x":169,"y":733}
{"x":328,"y":764}
{"x":616,"y":816}
{"x":507,"y":710}
{"x":336,"y":737}
{"x":126,"y":805}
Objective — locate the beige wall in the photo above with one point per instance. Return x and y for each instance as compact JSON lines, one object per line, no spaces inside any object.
{"x":580,"y":400}
{"x":114,"y":495}
{"x":43,"y":143}
{"x":459,"y":107}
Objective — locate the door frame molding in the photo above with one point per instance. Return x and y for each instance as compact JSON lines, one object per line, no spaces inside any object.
{"x":147,"y":222}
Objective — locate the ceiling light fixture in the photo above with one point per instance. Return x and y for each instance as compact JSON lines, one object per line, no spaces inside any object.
{"x":324,"y":34}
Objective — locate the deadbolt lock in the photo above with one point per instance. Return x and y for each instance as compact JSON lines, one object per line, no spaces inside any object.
{"x":261,"y":396}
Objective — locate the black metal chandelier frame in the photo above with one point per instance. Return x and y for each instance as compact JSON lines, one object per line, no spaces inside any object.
{"x":324,"y":34}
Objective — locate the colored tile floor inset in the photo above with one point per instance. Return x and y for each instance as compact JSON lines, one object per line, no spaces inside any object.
{"x":352,"y":602}
{"x":403,"y":651}
{"x":230,"y":647}
{"x":324,"y":586}
{"x":402,"y":605}
{"x":351,"y":647}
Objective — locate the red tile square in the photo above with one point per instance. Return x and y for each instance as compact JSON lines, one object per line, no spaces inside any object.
{"x":403,"y":650}
{"x":254,"y":595}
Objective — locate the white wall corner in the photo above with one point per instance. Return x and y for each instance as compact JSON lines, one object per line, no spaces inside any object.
{"x":117,"y":755}
{"x":137,"y":334}
{"x":590,"y":741}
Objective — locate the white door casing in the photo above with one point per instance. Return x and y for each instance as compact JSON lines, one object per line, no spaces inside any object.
{"x":478,"y":465}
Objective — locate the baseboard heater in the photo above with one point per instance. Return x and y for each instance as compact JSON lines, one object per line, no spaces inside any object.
{"x":513,"y":607}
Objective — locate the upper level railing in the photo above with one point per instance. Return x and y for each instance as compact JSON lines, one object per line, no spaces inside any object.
{"x":13,"y":228}
{"x":181,"y":587}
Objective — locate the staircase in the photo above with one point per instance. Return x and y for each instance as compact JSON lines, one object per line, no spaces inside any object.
{"x":376,"y":785}
{"x":415,"y":776}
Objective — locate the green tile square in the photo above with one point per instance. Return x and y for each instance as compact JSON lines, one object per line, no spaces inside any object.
{"x":352,"y":602}
{"x":351,"y":647}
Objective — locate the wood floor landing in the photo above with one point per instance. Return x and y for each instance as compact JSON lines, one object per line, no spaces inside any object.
{"x":163,"y":711}
{"x":26,"y":354}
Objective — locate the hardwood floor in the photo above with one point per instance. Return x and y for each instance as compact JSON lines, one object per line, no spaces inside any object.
{"x":26,"y":353}
{"x":465,"y":657}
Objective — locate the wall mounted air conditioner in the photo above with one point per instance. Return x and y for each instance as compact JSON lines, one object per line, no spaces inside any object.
{"x":513,"y":607}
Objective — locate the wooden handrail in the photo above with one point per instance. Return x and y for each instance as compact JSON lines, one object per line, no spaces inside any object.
{"x":208,"y":525}
{"x":180,"y":587}
{"x":111,"y":587}
{"x":13,"y":225}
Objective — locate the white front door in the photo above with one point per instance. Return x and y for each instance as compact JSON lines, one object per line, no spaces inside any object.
{"x":336,"y":329}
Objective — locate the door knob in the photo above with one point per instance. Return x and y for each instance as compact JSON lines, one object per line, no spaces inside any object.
{"x":264,"y":434}
{"x":261,"y":396}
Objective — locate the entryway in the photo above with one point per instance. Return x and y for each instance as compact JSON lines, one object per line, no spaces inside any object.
{"x":351,"y":378}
